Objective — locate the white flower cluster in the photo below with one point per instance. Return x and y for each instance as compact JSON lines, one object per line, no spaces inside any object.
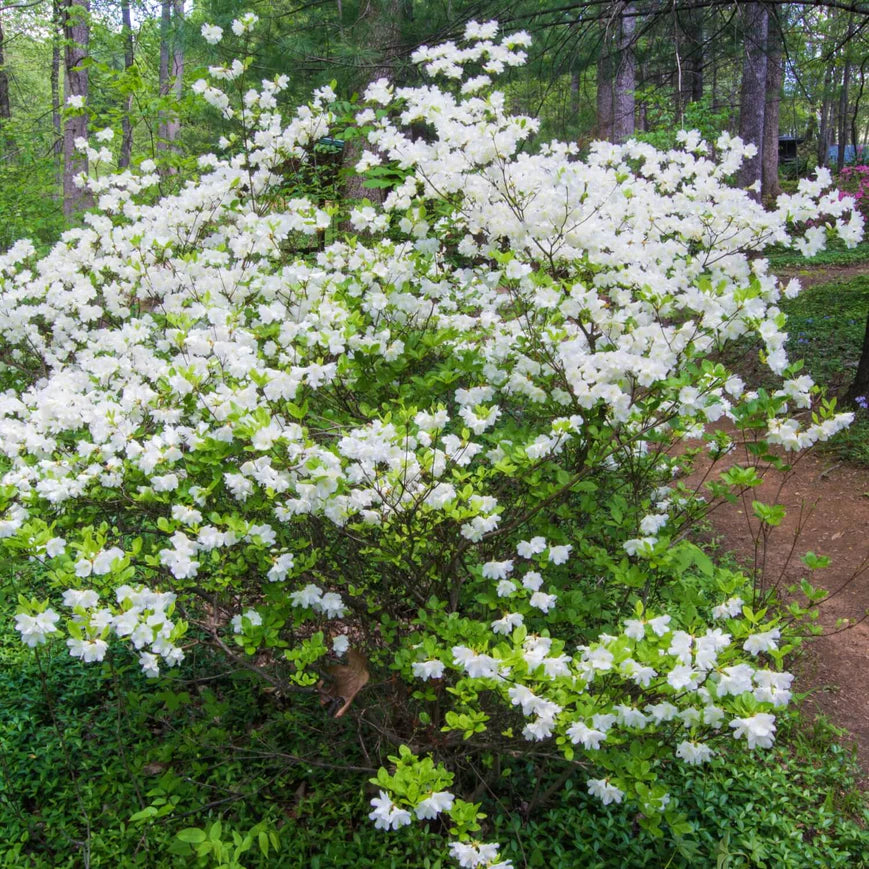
{"x":142,"y":617}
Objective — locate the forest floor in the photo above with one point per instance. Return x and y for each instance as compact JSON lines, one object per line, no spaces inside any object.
{"x":827,"y":502}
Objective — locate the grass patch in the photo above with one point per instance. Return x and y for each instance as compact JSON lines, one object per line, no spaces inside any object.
{"x":826,"y":324}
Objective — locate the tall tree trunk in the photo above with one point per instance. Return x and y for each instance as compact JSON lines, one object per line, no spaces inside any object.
{"x":384,"y":36}
{"x":176,"y":86}
{"x":163,"y":72}
{"x":774,"y":79}
{"x":5,"y":106}
{"x":605,"y":88}
{"x":860,"y":385}
{"x":76,"y":32}
{"x":689,"y":56}
{"x":56,"y":39}
{"x":826,"y":112}
{"x":624,"y":87}
{"x":843,"y":114}
{"x":752,"y":97}
{"x":855,"y":136}
{"x":129,"y":59}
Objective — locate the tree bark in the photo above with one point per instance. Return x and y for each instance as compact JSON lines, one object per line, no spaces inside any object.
{"x":774,"y":78}
{"x":56,"y":37}
{"x":605,"y":87}
{"x":5,"y":105}
{"x":76,"y":32}
{"x":173,"y":125}
{"x":826,"y":111}
{"x":163,"y":72}
{"x":860,"y":385}
{"x":126,"y":151}
{"x":384,"y":36}
{"x":752,"y":97}
{"x":689,"y":34}
{"x":624,"y":87}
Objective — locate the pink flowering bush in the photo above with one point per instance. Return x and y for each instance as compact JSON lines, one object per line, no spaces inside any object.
{"x":854,"y":183}
{"x":429,"y":472}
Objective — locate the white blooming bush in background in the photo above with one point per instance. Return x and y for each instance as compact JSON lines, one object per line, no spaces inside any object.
{"x":445,"y":446}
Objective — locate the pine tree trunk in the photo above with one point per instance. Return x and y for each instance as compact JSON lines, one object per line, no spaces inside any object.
{"x":774,"y":79}
{"x":129,"y":59}
{"x":860,"y":385}
{"x":384,"y":36}
{"x":5,"y":105}
{"x":76,"y":31}
{"x":173,"y":124}
{"x":605,"y":90}
{"x":56,"y":37}
{"x":624,"y":98}
{"x":842,"y":131}
{"x":752,"y":98}
{"x":163,"y":72}
{"x":826,"y":111}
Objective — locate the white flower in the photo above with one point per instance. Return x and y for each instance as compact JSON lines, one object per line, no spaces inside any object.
{"x":762,"y":642}
{"x":505,"y":588}
{"x":659,"y":625}
{"x":150,"y":664}
{"x":758,"y":730}
{"x":85,"y":599}
{"x":543,"y":601}
{"x":559,"y":554}
{"x":245,"y":24}
{"x":434,"y":804}
{"x":473,"y":854}
{"x":607,"y":793}
{"x":386,"y":815}
{"x":497,"y":569}
{"x":532,"y":580}
{"x":428,"y":669}
{"x":75,"y":101}
{"x":735,"y":680}
{"x":35,"y":629}
{"x":694,"y":752}
{"x":331,"y":605}
{"x":532,"y":547}
{"x":588,"y":736}
{"x":88,"y":650}
{"x":251,"y":615}
{"x":211,"y":33}
{"x":340,"y":644}
{"x":732,"y":608}
{"x":54,"y":547}
{"x":103,"y":560}
{"x":506,"y":624}
{"x":635,"y":629}
{"x":309,"y":596}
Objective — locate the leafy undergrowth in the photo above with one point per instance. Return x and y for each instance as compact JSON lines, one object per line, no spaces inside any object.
{"x":98,"y":763}
{"x":834,"y":254}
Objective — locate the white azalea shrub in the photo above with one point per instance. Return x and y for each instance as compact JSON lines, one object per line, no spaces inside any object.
{"x":445,"y":442}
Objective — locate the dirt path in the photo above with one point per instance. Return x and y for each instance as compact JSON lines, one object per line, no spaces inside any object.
{"x":828,"y":512}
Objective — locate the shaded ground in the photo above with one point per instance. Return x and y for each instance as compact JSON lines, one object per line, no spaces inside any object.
{"x":828,"y":512}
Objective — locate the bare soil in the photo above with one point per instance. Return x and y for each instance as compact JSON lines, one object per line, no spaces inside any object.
{"x":827,"y":506}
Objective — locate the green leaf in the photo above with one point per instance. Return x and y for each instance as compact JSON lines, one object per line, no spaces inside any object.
{"x":192,"y":835}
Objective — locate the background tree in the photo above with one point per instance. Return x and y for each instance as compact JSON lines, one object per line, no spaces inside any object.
{"x":76,"y":31}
